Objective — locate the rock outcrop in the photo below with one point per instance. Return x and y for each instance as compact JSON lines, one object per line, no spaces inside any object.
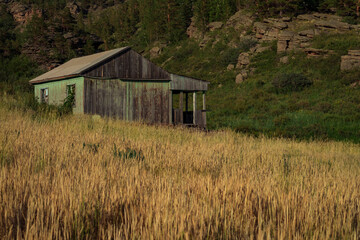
{"x":240,"y":21}
{"x":23,"y":13}
{"x":193,"y":31}
{"x":351,"y":61}
{"x":285,"y":30}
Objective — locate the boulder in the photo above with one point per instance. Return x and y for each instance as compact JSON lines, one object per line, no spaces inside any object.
{"x":285,"y":41}
{"x":243,"y":60}
{"x":286,"y":35}
{"x":214,"y":26}
{"x":310,"y":33}
{"x":351,"y":61}
{"x":260,"y":28}
{"x":68,"y":35}
{"x":262,"y":49}
{"x":286,"y":19}
{"x":313,"y":52}
{"x":306,"y":17}
{"x":23,"y":13}
{"x":241,"y":77}
{"x":280,"y":25}
{"x":73,"y":8}
{"x":355,"y":84}
{"x":192,"y":31}
{"x":155,"y":52}
{"x":284,"y":60}
{"x":230,"y":67}
{"x":340,"y":26}
{"x":240,"y":20}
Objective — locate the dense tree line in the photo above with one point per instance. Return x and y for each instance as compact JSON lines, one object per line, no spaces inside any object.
{"x":141,"y":22}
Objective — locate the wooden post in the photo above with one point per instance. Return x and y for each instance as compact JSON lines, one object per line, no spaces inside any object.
{"x":204,"y":110}
{"x":194,"y":108}
{"x":181,"y":106}
{"x":171,"y":108}
{"x":187,"y":101}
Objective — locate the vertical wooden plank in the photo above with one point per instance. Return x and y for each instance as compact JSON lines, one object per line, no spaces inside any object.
{"x":204,"y":110}
{"x":94,"y":96}
{"x":85,"y":94}
{"x":181,"y":106}
{"x":194,"y":108}
{"x":106,"y":96}
{"x":171,"y":99}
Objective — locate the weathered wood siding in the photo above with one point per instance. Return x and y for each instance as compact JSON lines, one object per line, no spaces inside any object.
{"x":128,"y":65}
{"x":128,"y":100}
{"x":181,"y":83}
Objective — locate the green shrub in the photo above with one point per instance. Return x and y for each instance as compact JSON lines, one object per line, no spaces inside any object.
{"x":290,"y":82}
{"x":246,"y":44}
{"x":230,"y":56}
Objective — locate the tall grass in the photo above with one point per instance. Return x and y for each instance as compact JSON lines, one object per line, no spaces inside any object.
{"x":80,"y":177}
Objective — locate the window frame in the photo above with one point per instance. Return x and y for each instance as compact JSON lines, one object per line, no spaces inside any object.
{"x":44,"y":95}
{"x":73,"y":87}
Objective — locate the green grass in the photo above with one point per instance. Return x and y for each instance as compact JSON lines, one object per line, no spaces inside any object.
{"x":327,"y":109}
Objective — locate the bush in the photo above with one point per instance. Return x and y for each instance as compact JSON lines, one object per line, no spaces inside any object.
{"x":230,"y":56}
{"x":246,"y":44}
{"x":290,"y":82}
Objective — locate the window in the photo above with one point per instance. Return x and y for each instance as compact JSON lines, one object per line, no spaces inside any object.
{"x":70,"y":94}
{"x":44,"y":95}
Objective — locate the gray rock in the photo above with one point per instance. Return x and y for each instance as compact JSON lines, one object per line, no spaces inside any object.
{"x":230,"y":67}
{"x":243,"y":60}
{"x":280,"y":25}
{"x":282,"y":46}
{"x":354,"y":52}
{"x":351,"y":61}
{"x":68,"y":35}
{"x":215,"y":25}
{"x":155,"y":52}
{"x":306,"y":17}
{"x":262,"y":49}
{"x":240,"y":20}
{"x":286,"y":19}
{"x":286,"y":35}
{"x":332,"y":25}
{"x":313,"y":52}
{"x":192,"y":31}
{"x":284,"y":60}
{"x":241,"y":77}
{"x":310,"y":33}
{"x":260,"y":27}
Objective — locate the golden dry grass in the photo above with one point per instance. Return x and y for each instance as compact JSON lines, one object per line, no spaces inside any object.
{"x":80,"y":178}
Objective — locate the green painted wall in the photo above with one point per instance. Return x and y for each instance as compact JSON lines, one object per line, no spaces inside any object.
{"x":57,"y":92}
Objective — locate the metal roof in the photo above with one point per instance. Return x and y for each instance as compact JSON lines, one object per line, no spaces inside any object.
{"x":77,"y":66}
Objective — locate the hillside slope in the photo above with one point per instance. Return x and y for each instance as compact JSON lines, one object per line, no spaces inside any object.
{"x":281,"y":77}
{"x":277,"y":76}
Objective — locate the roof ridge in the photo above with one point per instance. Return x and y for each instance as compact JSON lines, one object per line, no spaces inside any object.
{"x":76,"y":67}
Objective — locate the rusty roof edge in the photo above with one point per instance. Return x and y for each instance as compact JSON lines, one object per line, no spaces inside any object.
{"x":103,"y":59}
{"x":128,"y":79}
{"x":88,"y":66}
{"x":32,"y":82}
{"x":196,"y":79}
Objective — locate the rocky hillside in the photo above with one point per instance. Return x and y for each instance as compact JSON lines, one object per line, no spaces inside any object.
{"x":290,"y":34}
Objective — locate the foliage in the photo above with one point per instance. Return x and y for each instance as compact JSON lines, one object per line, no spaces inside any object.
{"x":288,"y":82}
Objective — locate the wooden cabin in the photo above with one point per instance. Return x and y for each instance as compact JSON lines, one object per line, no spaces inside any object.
{"x":121,"y":83}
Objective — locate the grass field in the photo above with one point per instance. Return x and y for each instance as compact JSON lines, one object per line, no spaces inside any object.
{"x":80,"y":177}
